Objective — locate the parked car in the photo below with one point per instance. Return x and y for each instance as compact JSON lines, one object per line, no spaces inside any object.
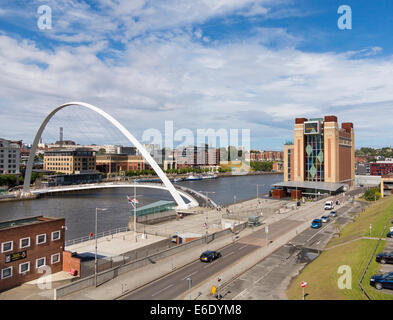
{"x":325,"y":219}
{"x":380,"y":281}
{"x":333,"y":214}
{"x":384,"y":257}
{"x":209,"y":256}
{"x":316,"y":223}
{"x":390,"y":234}
{"x":391,"y":229}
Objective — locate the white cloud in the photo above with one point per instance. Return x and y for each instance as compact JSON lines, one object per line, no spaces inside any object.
{"x":171,"y":70}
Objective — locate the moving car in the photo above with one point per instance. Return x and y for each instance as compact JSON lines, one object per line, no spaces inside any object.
{"x":325,"y":219}
{"x":333,"y":214}
{"x":328,"y":205}
{"x":316,"y":223}
{"x":209,"y":256}
{"x":390,"y":234}
{"x":384,"y":257}
{"x":380,"y":281}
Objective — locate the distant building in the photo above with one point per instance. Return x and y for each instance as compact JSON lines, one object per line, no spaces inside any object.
{"x":381,"y":168}
{"x":193,"y":156}
{"x":9,"y":157}
{"x":114,"y":163}
{"x":261,"y":155}
{"x":79,"y":160}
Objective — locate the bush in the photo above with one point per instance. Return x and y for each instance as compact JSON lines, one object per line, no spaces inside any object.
{"x":372,"y":194}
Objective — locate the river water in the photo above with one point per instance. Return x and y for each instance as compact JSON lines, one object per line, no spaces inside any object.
{"x":78,"y":208}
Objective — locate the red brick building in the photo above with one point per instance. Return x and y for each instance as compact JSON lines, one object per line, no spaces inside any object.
{"x":26,"y":245}
{"x":381,"y":168}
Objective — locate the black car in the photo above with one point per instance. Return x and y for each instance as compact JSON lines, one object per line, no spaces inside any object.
{"x":380,"y":281}
{"x":390,"y":234}
{"x":209,"y":256}
{"x":384,"y":257}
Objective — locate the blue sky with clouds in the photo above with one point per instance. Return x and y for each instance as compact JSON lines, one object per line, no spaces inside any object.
{"x":253,"y":64}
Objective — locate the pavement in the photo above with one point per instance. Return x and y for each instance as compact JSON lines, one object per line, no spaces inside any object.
{"x":116,"y":244}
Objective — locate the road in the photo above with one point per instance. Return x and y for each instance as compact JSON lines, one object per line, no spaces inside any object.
{"x":175,"y":283}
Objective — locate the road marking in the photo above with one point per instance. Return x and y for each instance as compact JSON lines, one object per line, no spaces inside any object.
{"x":240,"y":294}
{"x":190,"y":275}
{"x":230,"y":253}
{"x":243,"y":247}
{"x":158,"y":292}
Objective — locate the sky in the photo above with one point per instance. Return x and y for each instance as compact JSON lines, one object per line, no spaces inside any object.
{"x":231,"y":64}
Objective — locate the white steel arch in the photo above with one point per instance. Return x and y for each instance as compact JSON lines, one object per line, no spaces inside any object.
{"x":26,"y":187}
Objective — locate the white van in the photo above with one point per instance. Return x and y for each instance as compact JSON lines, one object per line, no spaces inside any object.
{"x":328,"y":205}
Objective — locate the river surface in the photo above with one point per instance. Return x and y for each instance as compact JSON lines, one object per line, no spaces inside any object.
{"x":78,"y":208}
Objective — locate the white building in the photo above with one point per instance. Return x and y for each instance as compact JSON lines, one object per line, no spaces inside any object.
{"x":9,"y":157}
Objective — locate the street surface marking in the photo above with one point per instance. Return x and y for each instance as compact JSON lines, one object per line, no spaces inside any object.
{"x":243,"y":247}
{"x":190,"y":275}
{"x":240,"y":294}
{"x":158,"y":292}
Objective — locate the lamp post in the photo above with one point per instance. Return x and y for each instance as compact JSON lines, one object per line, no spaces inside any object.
{"x":206,"y":226}
{"x":258,"y":189}
{"x":95,"y":236}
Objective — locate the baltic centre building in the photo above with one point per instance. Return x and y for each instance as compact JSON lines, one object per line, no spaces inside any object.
{"x":321,"y":158}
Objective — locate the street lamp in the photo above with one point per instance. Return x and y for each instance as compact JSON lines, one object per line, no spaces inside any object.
{"x":95,"y":256}
{"x":258,"y":190}
{"x":206,"y":227}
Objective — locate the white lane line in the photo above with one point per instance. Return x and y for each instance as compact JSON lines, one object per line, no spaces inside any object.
{"x":243,"y":247}
{"x":190,"y":275}
{"x":240,"y":294}
{"x":158,"y":292}
{"x":229,"y":254}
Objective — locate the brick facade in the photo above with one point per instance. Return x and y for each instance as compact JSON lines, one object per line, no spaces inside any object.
{"x":30,"y":228}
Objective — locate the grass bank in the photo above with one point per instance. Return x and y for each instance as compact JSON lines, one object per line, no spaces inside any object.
{"x":322,"y":274}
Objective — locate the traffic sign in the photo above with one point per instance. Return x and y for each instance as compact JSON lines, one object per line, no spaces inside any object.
{"x":304,"y":284}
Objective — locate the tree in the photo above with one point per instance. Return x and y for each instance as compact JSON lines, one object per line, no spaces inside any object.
{"x":372,"y":194}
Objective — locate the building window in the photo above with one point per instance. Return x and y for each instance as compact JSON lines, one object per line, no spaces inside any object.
{"x":24,"y":267}
{"x":55,"y":235}
{"x":6,"y":246}
{"x":6,"y":273}
{"x":24,"y":243}
{"x":41,"y":238}
{"x":40,"y":262}
{"x":55,"y":258}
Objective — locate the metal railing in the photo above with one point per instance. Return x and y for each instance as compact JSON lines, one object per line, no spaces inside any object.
{"x":371,"y":258}
{"x":99,"y":235}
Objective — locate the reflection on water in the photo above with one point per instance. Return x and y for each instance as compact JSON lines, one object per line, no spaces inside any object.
{"x":79,"y":208}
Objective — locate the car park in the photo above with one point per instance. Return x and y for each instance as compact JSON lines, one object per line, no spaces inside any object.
{"x":316,"y":223}
{"x":325,"y":219}
{"x":333,"y":214}
{"x":209,"y":256}
{"x":382,"y":281}
{"x":384,"y":257}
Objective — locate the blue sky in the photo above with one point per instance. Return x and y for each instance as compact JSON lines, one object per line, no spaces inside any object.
{"x":244,"y":64}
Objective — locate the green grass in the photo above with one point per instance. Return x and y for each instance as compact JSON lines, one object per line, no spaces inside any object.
{"x":377,"y":215}
{"x":322,"y":274}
